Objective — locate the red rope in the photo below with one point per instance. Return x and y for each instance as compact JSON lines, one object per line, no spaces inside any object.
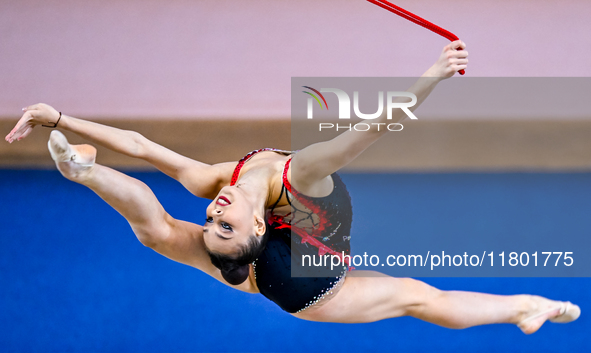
{"x":416,"y":19}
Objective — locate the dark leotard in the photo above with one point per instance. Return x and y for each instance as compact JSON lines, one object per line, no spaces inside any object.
{"x":314,"y":226}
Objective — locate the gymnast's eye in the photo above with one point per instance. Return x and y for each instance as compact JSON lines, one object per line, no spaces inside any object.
{"x":209,"y":220}
{"x":226,"y":226}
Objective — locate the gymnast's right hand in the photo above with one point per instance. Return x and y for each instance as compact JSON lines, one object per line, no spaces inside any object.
{"x":453,"y":58}
{"x":37,"y":114}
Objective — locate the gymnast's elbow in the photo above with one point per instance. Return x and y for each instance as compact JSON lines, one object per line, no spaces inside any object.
{"x":138,"y":143}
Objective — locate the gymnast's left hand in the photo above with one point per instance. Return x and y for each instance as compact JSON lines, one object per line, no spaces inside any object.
{"x":453,"y":58}
{"x":37,"y":114}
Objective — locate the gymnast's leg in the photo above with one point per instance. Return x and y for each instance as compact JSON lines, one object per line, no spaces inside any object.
{"x":130,"y":197}
{"x":369,"y":296}
{"x":177,"y":240}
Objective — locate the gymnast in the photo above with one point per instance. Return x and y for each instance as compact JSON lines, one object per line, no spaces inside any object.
{"x":274,"y":203}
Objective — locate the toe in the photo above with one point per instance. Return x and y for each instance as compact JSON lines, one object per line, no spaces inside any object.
{"x":58,"y":146}
{"x":568,"y":313}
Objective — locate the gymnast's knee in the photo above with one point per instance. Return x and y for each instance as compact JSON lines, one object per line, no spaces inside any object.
{"x":420,"y":296}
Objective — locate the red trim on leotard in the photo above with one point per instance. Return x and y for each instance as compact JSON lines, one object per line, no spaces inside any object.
{"x":244,"y":160}
{"x":323,"y":224}
{"x":303,"y":199}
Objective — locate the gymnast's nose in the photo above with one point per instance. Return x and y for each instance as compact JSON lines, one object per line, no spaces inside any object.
{"x":217,"y":211}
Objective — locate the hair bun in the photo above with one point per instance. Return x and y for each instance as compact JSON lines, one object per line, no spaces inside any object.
{"x":236,"y":275}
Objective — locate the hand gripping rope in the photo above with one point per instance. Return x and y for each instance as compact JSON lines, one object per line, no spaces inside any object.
{"x":416,"y":19}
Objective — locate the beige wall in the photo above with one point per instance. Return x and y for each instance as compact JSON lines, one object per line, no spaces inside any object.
{"x":447,"y":146}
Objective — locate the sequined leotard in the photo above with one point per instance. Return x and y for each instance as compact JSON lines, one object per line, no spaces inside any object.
{"x":314,"y":226}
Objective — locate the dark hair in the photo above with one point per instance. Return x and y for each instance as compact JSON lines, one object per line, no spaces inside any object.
{"x":235,"y":269}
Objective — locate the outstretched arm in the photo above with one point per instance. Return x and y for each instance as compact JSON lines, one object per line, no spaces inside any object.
{"x":199,"y":178}
{"x":313,"y":164}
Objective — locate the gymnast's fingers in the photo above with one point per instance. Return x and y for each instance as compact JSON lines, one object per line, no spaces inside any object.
{"x":458,"y":53}
{"x":26,"y":132}
{"x":458,"y":45}
{"x":19,"y":128}
{"x":458,"y":67}
{"x":461,"y":61}
{"x":451,"y":46}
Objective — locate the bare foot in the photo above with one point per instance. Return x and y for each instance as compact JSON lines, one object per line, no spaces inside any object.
{"x":543,"y":309}
{"x":73,"y":161}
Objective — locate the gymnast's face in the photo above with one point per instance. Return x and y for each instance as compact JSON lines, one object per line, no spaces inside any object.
{"x":230,"y":222}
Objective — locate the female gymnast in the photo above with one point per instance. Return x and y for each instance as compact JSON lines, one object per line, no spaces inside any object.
{"x":273,"y":203}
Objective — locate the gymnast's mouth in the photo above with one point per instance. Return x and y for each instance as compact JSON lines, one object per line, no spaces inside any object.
{"x":223,"y":201}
